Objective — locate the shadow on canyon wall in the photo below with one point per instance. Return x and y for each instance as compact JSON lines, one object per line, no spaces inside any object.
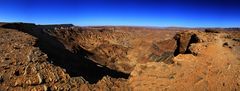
{"x":76,"y":64}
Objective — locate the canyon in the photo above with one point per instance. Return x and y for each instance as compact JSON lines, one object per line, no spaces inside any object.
{"x":118,"y":58}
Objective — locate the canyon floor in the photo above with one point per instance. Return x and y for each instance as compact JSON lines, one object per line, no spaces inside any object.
{"x":118,"y":58}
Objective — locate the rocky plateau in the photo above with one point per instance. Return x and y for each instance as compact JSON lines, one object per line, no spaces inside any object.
{"x":118,"y":58}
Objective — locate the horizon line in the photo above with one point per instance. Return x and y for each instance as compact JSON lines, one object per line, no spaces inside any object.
{"x":122,"y":25}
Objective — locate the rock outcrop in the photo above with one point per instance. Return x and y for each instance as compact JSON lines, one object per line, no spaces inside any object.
{"x":163,"y":51}
{"x":66,"y":57}
{"x":118,"y":49}
{"x":214,"y":68}
{"x":25,"y":67}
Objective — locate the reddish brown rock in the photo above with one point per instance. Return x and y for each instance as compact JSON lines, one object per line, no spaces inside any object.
{"x":101,"y":58}
{"x":215,"y":68}
{"x":116,"y":48}
{"x":163,"y":51}
{"x":184,"y":40}
{"x":25,"y":67}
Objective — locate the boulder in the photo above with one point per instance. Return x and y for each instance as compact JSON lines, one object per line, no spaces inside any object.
{"x":184,"y":40}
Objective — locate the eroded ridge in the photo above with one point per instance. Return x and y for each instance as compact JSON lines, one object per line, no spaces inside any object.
{"x":66,"y":57}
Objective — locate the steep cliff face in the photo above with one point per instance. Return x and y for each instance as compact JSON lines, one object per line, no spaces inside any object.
{"x":211,"y":64}
{"x":55,"y":68}
{"x":65,"y":57}
{"x":116,"y":48}
{"x":25,"y":67}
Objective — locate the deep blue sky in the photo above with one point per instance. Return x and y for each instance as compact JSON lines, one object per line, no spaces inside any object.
{"x":162,"y":13}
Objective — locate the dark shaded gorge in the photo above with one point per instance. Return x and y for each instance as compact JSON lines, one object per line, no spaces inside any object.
{"x":76,"y":63}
